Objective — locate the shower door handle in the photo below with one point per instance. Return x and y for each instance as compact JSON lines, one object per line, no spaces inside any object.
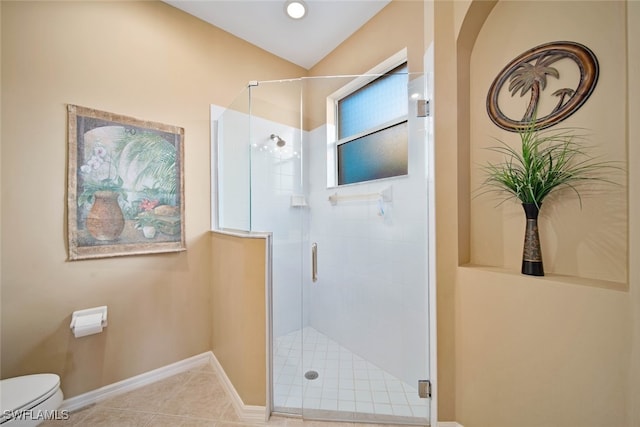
{"x":314,"y":262}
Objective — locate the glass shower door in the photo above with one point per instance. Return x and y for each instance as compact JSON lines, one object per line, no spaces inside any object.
{"x":232,"y":167}
{"x":353,"y":343}
{"x":278,"y":206}
{"x":364,"y":336}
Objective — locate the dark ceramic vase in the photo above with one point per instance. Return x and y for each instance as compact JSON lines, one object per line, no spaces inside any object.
{"x":532,"y":254}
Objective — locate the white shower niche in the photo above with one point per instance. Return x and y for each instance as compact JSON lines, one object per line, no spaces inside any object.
{"x":352,"y":344}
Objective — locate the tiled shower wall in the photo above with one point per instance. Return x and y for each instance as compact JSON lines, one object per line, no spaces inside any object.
{"x":276,"y":176}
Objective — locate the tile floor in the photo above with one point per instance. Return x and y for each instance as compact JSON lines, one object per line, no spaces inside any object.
{"x":194,"y":398}
{"x":348,"y":387}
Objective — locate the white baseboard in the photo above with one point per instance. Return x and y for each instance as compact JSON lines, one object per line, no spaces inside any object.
{"x":449,"y":424}
{"x":245,"y":412}
{"x":124,"y":386}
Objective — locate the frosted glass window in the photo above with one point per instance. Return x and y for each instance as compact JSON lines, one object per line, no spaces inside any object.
{"x":372,"y":130}
{"x":381,"y":154}
{"x":378,"y":102}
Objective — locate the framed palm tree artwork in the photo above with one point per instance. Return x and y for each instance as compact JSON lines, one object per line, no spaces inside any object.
{"x":535,"y":76}
{"x":125,"y":191}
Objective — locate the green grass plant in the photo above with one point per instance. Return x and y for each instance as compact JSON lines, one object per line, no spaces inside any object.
{"x":546,"y":160}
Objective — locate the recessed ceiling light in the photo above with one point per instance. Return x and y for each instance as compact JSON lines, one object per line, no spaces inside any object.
{"x":295,"y":9}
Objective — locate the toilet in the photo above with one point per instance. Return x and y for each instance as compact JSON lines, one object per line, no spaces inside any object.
{"x":30,"y":399}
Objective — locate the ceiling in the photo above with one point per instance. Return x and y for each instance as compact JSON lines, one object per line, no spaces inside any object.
{"x":265,"y":24}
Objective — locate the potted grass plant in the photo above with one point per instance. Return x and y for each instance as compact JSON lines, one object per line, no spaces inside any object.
{"x":546,"y":161}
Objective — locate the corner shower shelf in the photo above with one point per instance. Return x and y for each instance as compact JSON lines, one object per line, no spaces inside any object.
{"x":298,"y":200}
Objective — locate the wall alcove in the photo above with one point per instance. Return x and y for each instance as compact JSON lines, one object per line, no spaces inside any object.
{"x":584,"y":245}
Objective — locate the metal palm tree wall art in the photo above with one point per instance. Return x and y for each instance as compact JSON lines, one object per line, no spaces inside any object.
{"x":529,"y":73}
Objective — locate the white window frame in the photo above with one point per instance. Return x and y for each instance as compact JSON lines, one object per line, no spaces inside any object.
{"x":332,"y":113}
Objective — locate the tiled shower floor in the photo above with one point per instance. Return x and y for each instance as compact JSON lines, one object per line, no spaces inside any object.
{"x":347,"y":388}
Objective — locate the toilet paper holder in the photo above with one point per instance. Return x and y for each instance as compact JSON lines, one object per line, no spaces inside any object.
{"x":88,"y":321}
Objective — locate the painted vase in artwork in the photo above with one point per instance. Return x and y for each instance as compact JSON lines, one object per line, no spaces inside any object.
{"x":149,"y":231}
{"x":105,"y":220}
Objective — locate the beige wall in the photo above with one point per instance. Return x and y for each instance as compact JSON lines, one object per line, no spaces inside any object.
{"x":559,"y":350}
{"x":445,"y":136}
{"x":239,"y":311}
{"x":141,"y":59}
{"x":633,"y":56}
{"x":398,"y":25}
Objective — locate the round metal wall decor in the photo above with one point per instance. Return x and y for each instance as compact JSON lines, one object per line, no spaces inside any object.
{"x":528,"y":74}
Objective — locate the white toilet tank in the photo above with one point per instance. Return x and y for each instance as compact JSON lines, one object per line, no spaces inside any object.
{"x":30,"y":399}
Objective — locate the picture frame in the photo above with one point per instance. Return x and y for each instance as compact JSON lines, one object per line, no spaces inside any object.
{"x":125,"y":185}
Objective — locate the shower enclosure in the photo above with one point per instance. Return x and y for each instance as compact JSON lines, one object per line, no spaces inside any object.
{"x":350,"y":310}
